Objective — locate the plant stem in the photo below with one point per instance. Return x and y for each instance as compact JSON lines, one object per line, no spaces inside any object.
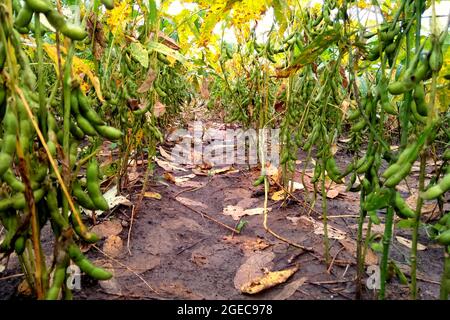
{"x":359,"y":246}
{"x":326,"y":242}
{"x":386,"y":243}
{"x":41,"y":80}
{"x":415,"y":233}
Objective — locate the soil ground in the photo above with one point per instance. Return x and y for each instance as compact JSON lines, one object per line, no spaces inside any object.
{"x":177,"y":253}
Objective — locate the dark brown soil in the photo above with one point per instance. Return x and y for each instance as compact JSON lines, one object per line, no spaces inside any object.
{"x":183,"y":255}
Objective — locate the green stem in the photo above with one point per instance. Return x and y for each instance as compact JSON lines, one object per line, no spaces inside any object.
{"x":386,"y":243}
{"x":359,"y":246}
{"x":415,"y":234}
{"x":326,"y":242}
{"x":41,"y":80}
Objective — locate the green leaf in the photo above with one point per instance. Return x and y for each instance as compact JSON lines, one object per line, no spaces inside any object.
{"x":139,"y":53}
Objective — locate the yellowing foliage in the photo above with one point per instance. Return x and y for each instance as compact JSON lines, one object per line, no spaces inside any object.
{"x":80,"y":68}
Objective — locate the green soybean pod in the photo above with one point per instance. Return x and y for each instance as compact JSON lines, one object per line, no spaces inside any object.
{"x":400,"y":87}
{"x":73,"y":31}
{"x":402,"y":209}
{"x":395,"y":179}
{"x":85,"y":265}
{"x":56,"y":19}
{"x":93,"y":186}
{"x":58,"y":280}
{"x":10,"y":178}
{"x":43,"y":6}
{"x":444,"y":238}
{"x":76,"y":131}
{"x":419,"y":98}
{"x":87,"y":111}
{"x":74,"y":106}
{"x":361,"y":124}
{"x":109,"y":132}
{"x":2,"y":55}
{"x":83,"y":199}
{"x":55,"y":214}
{"x":437,"y":190}
{"x":85,"y":126}
{"x":109,"y":4}
{"x":19,"y":245}
{"x":24,"y":17}
{"x":366,"y":165}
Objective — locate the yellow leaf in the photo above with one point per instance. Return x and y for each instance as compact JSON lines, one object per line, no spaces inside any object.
{"x":268,"y":280}
{"x":80,"y":68}
{"x":278,"y":195}
{"x":154,"y":195}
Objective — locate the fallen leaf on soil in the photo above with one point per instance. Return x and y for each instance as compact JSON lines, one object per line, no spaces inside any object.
{"x":335,"y":190}
{"x":24,"y":288}
{"x":408,"y":243}
{"x":199,"y":259}
{"x":237,"y":193}
{"x":273,"y":173}
{"x":290,"y":289}
{"x":177,"y":180}
{"x":252,"y":245}
{"x":180,"y":291}
{"x":191,"y":203}
{"x":350,"y":246}
{"x":237,"y":212}
{"x":167,"y":166}
{"x":165,"y":154}
{"x":430,"y":211}
{"x":253,"y":267}
{"x":108,"y":228}
{"x":113,"y":201}
{"x":111,"y":286}
{"x":293,"y":220}
{"x":2,"y":268}
{"x":293,"y":186}
{"x":268,"y":280}
{"x":153,"y":195}
{"x":376,"y":228}
{"x":113,"y":246}
{"x":333,"y":233}
{"x":278,"y":195}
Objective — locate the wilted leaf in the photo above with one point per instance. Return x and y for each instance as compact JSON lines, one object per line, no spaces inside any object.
{"x":191,"y":203}
{"x":253,"y":268}
{"x":148,"y":82}
{"x":333,"y":233}
{"x":168,"y":166}
{"x":108,"y":228}
{"x":237,"y":212}
{"x":278,"y":195}
{"x":153,"y":195}
{"x":113,"y":246}
{"x":178,"y":180}
{"x":350,"y":246}
{"x":268,"y":280}
{"x":113,"y":201}
{"x":80,"y":68}
{"x":290,"y":289}
{"x":165,"y":154}
{"x":408,"y":243}
{"x":159,"y":109}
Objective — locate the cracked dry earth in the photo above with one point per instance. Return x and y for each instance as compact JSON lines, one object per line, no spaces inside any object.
{"x":177,"y":253}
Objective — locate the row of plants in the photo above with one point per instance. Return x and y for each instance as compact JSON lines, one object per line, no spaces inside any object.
{"x":327,"y":76}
